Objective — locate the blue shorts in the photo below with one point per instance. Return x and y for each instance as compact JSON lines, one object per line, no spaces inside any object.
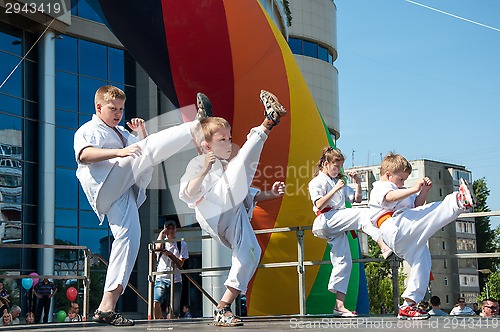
{"x":162,"y":294}
{"x":162,"y":291}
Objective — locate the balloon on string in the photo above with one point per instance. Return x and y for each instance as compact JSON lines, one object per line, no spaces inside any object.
{"x":35,"y":280}
{"x":61,"y":316}
{"x":71,"y":293}
{"x":27,"y":283}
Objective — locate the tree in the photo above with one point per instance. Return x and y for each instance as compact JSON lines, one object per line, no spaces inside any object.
{"x":493,"y":287}
{"x":379,"y":281}
{"x":483,"y":228}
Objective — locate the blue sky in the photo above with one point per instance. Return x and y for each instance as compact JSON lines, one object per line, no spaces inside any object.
{"x":421,"y":83}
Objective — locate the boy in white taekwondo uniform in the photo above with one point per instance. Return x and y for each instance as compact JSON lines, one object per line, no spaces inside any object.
{"x":114,"y":169}
{"x":407,"y":223}
{"x":219,"y":191}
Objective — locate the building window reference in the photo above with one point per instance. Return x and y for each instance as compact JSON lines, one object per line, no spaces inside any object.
{"x":310,"y":49}
{"x":18,"y":148}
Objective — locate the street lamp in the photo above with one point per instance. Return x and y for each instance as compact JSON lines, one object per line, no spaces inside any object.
{"x":485,"y":273}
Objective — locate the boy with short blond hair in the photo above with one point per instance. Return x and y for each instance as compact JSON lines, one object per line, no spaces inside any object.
{"x":114,"y":169}
{"x":217,"y":186}
{"x":406,"y":223}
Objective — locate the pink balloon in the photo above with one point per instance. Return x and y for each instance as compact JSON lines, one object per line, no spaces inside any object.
{"x":71,"y":294}
{"x":35,"y":280}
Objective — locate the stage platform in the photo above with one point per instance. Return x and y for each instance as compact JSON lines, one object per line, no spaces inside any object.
{"x":282,"y":323}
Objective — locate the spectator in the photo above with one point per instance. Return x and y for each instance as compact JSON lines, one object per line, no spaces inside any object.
{"x":76,"y":306}
{"x":488,"y":308}
{"x":30,"y":318}
{"x":186,"y":309}
{"x":170,"y":251}
{"x":72,"y":316}
{"x":383,"y":310}
{"x":4,"y":298}
{"x":15,"y":313}
{"x":6,"y":318}
{"x":475,"y":308}
{"x":436,"y":307}
{"x":44,"y":291}
{"x":461,"y":309}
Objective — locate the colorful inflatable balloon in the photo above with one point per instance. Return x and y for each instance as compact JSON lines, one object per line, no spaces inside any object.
{"x":35,"y":280}
{"x":71,"y":294}
{"x":61,"y":316}
{"x":27,"y":283}
{"x":230,"y":50}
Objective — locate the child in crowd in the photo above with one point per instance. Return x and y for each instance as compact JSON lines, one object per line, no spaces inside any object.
{"x":219,"y":191}
{"x":407,"y":223}
{"x":329,"y":194}
{"x":114,"y":169}
{"x":72,"y":316}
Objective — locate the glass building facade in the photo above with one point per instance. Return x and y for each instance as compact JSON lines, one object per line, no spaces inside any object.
{"x":81,"y":67}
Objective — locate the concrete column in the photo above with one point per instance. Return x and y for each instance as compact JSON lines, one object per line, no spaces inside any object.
{"x":147,"y":108}
{"x":214,"y":255}
{"x":46,"y":192}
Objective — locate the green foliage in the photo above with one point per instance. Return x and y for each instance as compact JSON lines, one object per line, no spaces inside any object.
{"x":493,"y":287}
{"x":483,"y":229}
{"x":288,"y":12}
{"x":379,"y":281}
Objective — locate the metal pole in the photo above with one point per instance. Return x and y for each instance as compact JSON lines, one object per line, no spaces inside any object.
{"x":86,"y":284}
{"x":395,"y":282}
{"x":301,"y":272}
{"x":151,"y":281}
{"x":171,"y":306}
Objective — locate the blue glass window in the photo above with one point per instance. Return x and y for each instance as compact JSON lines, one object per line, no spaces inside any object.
{"x":93,"y":60}
{"x":116,"y":65}
{"x":85,"y":10}
{"x":88,"y":87}
{"x":11,"y":39}
{"x":67,"y":54}
{"x":66,"y":188}
{"x":295,"y":45}
{"x":97,"y":240}
{"x":66,"y":91}
{"x":89,"y":219}
{"x":67,"y":119}
{"x":310,"y":49}
{"x":64,"y":150}
{"x":322,"y":53}
{"x":66,"y":234}
{"x":82,"y":199}
{"x":66,"y":218}
{"x":14,"y":84}
{"x":10,"y":105}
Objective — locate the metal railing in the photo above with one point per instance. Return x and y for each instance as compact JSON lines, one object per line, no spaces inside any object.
{"x":301,"y":263}
{"x":86,"y":270}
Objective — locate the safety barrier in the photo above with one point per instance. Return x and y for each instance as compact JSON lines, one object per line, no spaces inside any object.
{"x":300,"y":263}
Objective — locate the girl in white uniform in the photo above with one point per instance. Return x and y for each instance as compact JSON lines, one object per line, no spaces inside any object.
{"x":114,"y":169}
{"x":407,"y":223}
{"x":219,"y":191}
{"x":329,"y":195}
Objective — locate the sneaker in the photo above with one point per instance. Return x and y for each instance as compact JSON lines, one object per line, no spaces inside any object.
{"x":111,"y":318}
{"x":273,"y":109}
{"x":204,"y":106}
{"x":338,"y":313}
{"x":412,"y":313}
{"x":465,"y":196}
{"x":222,"y":319}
